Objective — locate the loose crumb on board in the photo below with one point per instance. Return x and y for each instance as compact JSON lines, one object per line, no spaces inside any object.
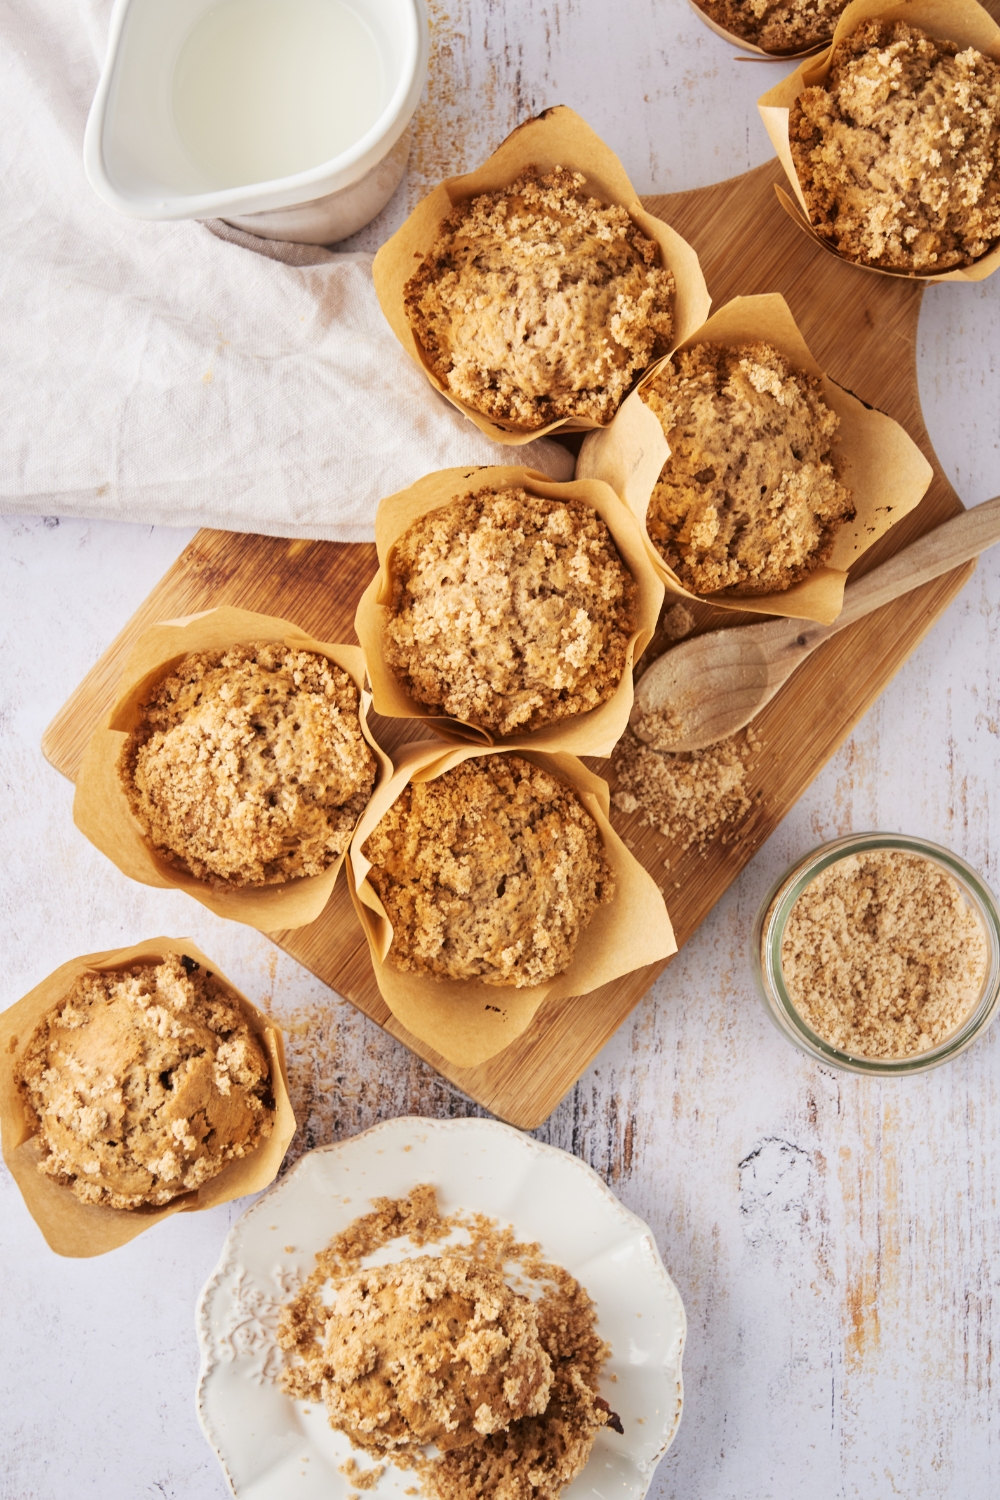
{"x":691,"y":797}
{"x":661,"y":728}
{"x":676,"y":622}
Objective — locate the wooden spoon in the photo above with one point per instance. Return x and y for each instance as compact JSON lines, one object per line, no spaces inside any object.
{"x":705,"y":689}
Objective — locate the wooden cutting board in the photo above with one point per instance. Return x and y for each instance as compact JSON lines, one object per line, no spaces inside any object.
{"x":862,"y":328}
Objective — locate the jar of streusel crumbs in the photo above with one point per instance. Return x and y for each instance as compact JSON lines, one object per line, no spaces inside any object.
{"x":879,"y":953}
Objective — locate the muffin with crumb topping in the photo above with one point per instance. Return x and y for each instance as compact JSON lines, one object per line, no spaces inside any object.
{"x":144,"y":1083}
{"x":777,"y":25}
{"x":490,"y":872}
{"x":539,"y":302}
{"x":509,"y":611}
{"x":432,"y":1350}
{"x":898,"y":152}
{"x":248,"y":766}
{"x":749,"y":501}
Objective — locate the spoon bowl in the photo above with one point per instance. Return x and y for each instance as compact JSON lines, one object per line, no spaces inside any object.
{"x":700,"y":692}
{"x":707,"y":688}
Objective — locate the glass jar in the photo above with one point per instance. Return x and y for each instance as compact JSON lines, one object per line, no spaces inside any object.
{"x":769,"y":932}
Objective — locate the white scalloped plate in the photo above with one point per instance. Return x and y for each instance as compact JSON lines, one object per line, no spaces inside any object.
{"x":273,"y":1448}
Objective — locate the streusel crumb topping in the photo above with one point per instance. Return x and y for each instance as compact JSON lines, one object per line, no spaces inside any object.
{"x":145,"y":1083}
{"x":249,"y":767}
{"x":491,"y":872}
{"x":532,"y":1456}
{"x":749,"y":500}
{"x":540,"y":302}
{"x":430,"y":1350}
{"x":882,"y":954}
{"x":898,"y":153}
{"x":509,"y":611}
{"x":777,"y":25}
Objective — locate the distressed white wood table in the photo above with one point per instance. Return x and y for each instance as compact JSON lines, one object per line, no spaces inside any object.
{"x":836,"y":1240}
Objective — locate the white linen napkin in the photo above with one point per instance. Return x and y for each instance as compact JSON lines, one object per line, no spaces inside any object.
{"x":161,"y":373}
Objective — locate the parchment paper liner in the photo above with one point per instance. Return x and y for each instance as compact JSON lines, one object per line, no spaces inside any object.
{"x":884,"y":468}
{"x":80,"y":1229}
{"x":962,"y":21}
{"x":556,"y":138}
{"x":593,"y":733}
{"x":745,"y":46}
{"x":100,"y":807}
{"x":467,"y":1021}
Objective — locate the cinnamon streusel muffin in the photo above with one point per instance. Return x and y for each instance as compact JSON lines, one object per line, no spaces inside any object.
{"x":509,"y":611}
{"x":749,"y":500}
{"x":144,"y":1083}
{"x":249,"y":767}
{"x":431,"y":1350}
{"x":898,"y":153}
{"x":489,"y":872}
{"x":412,"y":1352}
{"x":777,"y":25}
{"x":539,"y":302}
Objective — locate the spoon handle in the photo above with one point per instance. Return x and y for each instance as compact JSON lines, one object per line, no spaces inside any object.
{"x":940,"y":550}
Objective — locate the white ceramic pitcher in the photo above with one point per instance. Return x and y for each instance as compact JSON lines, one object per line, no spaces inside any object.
{"x":136,"y":159}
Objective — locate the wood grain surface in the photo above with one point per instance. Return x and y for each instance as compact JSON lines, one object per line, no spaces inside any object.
{"x":862,"y":329}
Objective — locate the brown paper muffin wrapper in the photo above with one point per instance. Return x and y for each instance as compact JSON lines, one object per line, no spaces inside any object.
{"x":467,"y":1021}
{"x":556,"y":138}
{"x":101,"y":809}
{"x":80,"y":1229}
{"x":745,"y":46}
{"x":883,"y":467}
{"x":593,"y":733}
{"x":962,"y":21}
